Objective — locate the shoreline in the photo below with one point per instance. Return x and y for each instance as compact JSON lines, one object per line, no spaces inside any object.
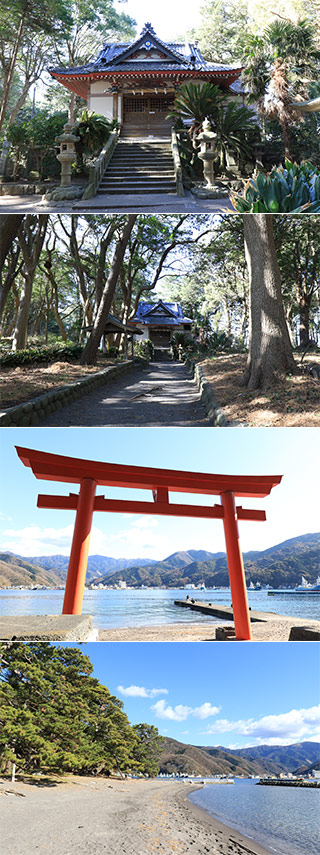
{"x":122,"y":816}
{"x":275,"y":629}
{"x":246,"y":843}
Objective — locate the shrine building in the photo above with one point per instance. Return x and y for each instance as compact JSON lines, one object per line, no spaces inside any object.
{"x":159,"y":321}
{"x":136,"y":82}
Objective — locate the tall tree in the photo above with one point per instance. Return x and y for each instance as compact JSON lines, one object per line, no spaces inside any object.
{"x":56,"y":716}
{"x":270,"y":353}
{"x":31,"y":236}
{"x":280,"y":65}
{"x":222,"y":29}
{"x":90,"y":351}
{"x":22,"y":21}
{"x":94,"y":22}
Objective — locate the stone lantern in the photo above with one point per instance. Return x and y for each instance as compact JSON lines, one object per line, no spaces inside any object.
{"x":67,"y":141}
{"x":207,"y":139}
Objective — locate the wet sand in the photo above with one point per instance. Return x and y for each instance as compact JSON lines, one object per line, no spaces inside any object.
{"x":276,"y":628}
{"x":78,"y":816}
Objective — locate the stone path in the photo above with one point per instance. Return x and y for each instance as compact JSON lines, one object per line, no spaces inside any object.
{"x":162,"y":393}
{"x":154,"y":203}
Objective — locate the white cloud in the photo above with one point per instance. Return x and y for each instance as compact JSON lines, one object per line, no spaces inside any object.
{"x":33,"y":540}
{"x":181,"y":712}
{"x":281,"y":729}
{"x":146,"y":522}
{"x":140,"y":692}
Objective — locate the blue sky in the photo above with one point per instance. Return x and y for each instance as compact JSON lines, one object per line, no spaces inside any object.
{"x":168,"y":19}
{"x":292,"y":508}
{"x":231,"y":695}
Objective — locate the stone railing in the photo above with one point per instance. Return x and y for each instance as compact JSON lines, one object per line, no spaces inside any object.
{"x":97,"y":169}
{"x":177,"y":163}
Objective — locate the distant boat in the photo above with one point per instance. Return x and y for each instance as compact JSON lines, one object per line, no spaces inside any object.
{"x":305,"y":588}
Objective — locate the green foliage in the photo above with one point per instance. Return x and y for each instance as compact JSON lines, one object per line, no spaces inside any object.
{"x":55,"y":716}
{"x":144,"y":349}
{"x":195,"y":101}
{"x":33,"y":355}
{"x":147,"y":751}
{"x":236,"y":126}
{"x":94,"y":131}
{"x":293,"y":189}
{"x":222,"y":29}
{"x":36,"y":135}
{"x":238,"y":131}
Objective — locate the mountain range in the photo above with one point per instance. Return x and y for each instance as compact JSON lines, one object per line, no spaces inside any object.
{"x":278,"y":566}
{"x":259,"y":760}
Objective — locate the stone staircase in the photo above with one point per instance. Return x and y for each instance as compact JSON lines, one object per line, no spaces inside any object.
{"x":139,"y":166}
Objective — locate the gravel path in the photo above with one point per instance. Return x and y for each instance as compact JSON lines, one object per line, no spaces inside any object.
{"x":162,"y":393}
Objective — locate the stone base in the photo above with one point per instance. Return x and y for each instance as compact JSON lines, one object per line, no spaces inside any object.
{"x":47,"y":628}
{"x":61,"y":194}
{"x":304,"y":633}
{"x":209,"y":192}
{"x":27,"y":189}
{"x":225,"y":633}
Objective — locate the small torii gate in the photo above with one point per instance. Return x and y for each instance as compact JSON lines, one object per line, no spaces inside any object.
{"x":89,"y":474}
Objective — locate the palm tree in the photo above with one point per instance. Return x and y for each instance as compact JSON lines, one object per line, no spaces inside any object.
{"x":238,"y":131}
{"x":279,"y":66}
{"x":94,"y":131}
{"x":197,"y":102}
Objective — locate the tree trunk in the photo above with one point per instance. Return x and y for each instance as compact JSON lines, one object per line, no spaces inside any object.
{"x":304,"y":322}
{"x":21,"y":330}
{"x":9,"y":76}
{"x":90,"y":351}
{"x":9,"y":225}
{"x":270,"y":351}
{"x":31,"y":240}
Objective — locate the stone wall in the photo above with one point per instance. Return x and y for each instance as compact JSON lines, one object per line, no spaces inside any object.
{"x":34,"y":411}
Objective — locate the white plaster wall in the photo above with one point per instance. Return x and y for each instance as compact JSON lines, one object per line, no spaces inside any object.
{"x":102,"y":105}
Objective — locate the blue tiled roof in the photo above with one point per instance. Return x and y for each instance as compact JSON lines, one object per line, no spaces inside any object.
{"x":170,"y":314}
{"x":179,"y":56}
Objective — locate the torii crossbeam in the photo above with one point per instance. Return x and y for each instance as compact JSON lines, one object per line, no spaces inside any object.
{"x":89,"y":474}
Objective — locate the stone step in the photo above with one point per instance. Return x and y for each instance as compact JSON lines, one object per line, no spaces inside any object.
{"x":114,"y":191}
{"x":148,"y":187}
{"x":116,"y":172}
{"x":139,"y":167}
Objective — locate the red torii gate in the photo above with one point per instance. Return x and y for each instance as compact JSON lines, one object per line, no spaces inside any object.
{"x":89,"y":474}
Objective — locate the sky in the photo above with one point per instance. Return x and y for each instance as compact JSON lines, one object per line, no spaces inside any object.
{"x":292,"y":508}
{"x":168,"y":19}
{"x":230,"y":695}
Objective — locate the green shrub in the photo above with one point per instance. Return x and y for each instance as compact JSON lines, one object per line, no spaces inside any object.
{"x":144,"y":349}
{"x":293,"y":189}
{"x":33,"y":355}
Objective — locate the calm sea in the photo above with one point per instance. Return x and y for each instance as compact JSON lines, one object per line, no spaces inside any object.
{"x":150,"y":606}
{"x":283,"y":819}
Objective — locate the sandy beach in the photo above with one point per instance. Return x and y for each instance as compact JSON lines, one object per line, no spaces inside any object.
{"x":276,"y":628}
{"x":77,"y":816}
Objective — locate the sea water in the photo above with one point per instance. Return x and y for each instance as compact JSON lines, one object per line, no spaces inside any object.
{"x":283,"y":819}
{"x":151,"y":606}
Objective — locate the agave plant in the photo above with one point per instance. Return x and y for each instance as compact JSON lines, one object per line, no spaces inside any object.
{"x":294,"y":189}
